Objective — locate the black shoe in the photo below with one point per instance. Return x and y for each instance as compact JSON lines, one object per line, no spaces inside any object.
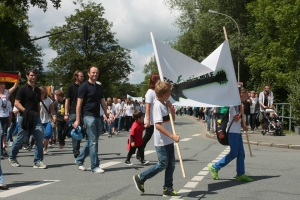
{"x":127,"y":162}
{"x":76,"y":154}
{"x":29,"y":148}
{"x":169,"y":192}
{"x":263,"y":132}
{"x":145,"y":162}
{"x":4,"y":187}
{"x":138,"y":183}
{"x":4,"y":153}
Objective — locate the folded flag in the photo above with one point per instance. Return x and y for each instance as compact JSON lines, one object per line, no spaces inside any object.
{"x":8,"y":76}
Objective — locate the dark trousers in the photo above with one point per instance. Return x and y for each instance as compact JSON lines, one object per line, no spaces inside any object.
{"x":132,"y":151}
{"x":61,"y":127}
{"x":148,"y":134}
{"x":116,"y":123}
{"x":253,"y":121}
{"x":128,"y":122}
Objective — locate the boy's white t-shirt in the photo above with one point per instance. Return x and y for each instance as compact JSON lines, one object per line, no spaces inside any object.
{"x":117,"y":109}
{"x":129,"y":109}
{"x":235,"y":126}
{"x":45,"y":118}
{"x":150,"y":98}
{"x":4,"y":111}
{"x":160,"y":114}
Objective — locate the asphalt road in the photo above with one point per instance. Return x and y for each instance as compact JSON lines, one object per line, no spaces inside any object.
{"x":274,"y":170}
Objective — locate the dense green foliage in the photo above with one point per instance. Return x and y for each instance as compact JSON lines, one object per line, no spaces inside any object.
{"x":16,"y":51}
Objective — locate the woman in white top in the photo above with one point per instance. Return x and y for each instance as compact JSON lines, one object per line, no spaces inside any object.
{"x":45,"y":115}
{"x":150,"y":99}
{"x":128,"y":111}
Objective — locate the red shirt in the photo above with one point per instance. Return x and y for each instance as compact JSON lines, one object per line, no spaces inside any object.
{"x":137,"y":132}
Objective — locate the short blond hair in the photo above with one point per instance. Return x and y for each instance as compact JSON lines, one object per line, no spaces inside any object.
{"x":161,"y":88}
{"x":59,"y":93}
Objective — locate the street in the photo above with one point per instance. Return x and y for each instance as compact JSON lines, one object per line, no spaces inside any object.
{"x":274,"y":171}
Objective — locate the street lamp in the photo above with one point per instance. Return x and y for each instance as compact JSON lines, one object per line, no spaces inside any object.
{"x":216,"y":12}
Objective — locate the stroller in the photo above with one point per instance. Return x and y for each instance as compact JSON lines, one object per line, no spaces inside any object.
{"x":272,"y":123}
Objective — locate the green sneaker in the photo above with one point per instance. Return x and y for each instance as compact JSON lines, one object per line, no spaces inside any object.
{"x":213,"y":171}
{"x":169,"y":192}
{"x":243,"y":178}
{"x":139,"y":184}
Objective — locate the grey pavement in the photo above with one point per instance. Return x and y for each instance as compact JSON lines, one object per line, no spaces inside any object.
{"x":290,"y":141}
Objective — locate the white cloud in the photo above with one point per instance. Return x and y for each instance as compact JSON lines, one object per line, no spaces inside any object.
{"x":133,"y":20}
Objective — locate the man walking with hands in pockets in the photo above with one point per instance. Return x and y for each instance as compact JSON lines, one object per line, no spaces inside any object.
{"x":90,"y":96}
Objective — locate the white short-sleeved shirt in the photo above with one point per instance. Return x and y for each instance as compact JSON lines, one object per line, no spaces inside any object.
{"x":5,"y":107}
{"x":45,"y":118}
{"x":137,"y":107}
{"x":143,"y":108}
{"x":117,"y":109}
{"x":111,"y":109}
{"x":150,"y":98}
{"x":18,"y":114}
{"x":160,"y":114}
{"x":235,"y":126}
{"x":129,"y":109}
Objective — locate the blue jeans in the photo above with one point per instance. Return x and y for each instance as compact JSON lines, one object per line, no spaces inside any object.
{"x":75,"y":143}
{"x":119,"y":122}
{"x":10,"y":131}
{"x":207,"y":119}
{"x":236,"y":151}
{"x":94,"y":130}
{"x":110,"y":126}
{"x":1,"y":175}
{"x":38,"y":134}
{"x":166,"y":160}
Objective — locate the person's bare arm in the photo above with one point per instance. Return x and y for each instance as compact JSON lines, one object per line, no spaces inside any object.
{"x":78,"y":112}
{"x":147,"y":114}
{"x":19,"y":106}
{"x":66,"y":117}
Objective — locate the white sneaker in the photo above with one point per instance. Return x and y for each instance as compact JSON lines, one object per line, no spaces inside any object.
{"x":39,"y":165}
{"x":98,"y":171}
{"x":10,"y":144}
{"x":81,"y":167}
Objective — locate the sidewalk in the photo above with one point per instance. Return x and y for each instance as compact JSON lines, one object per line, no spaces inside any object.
{"x":286,"y":141}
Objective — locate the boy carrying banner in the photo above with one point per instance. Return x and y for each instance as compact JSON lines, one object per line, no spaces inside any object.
{"x":163,"y":141}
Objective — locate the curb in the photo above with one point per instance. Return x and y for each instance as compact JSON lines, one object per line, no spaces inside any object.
{"x":285,"y":146}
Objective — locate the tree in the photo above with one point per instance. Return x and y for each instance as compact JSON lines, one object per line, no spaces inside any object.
{"x":272,"y":44}
{"x":101,"y":49}
{"x":16,"y":49}
{"x":24,"y":4}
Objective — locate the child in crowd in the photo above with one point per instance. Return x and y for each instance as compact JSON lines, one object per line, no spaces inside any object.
{"x":163,"y":141}
{"x":58,"y":117}
{"x":135,"y":140}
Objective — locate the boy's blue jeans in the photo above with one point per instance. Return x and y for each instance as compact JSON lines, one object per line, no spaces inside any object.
{"x":166,"y":160}
{"x":236,"y":151}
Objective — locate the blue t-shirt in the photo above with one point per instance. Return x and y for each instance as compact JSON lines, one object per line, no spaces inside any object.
{"x":91,"y":95}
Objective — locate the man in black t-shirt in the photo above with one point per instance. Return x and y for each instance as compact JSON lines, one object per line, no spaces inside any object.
{"x":28,"y":103}
{"x":70,"y":106}
{"x":90,"y":98}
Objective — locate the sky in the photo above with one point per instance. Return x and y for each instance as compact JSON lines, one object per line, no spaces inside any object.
{"x":133,"y":20}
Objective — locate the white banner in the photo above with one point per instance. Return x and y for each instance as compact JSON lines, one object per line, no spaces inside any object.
{"x":139,"y":99}
{"x":211,"y":83}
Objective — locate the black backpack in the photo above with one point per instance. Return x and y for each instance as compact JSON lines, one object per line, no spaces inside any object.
{"x":222,"y":135}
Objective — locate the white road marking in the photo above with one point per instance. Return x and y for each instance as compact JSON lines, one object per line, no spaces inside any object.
{"x":216,"y":160}
{"x":203,"y":173}
{"x":108,"y":164}
{"x":205,"y":169}
{"x":196,"y":135}
{"x":185,"y":139}
{"x":191,"y":184}
{"x":184,"y":192}
{"x":148,"y":152}
{"x":26,"y":188}
{"x":197,"y":178}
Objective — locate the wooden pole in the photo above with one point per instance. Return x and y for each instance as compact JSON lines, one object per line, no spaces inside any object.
{"x":176,"y":144}
{"x":246,"y":132}
{"x":225,"y":34}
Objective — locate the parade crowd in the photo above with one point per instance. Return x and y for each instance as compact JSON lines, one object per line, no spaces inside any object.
{"x":41,"y":119}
